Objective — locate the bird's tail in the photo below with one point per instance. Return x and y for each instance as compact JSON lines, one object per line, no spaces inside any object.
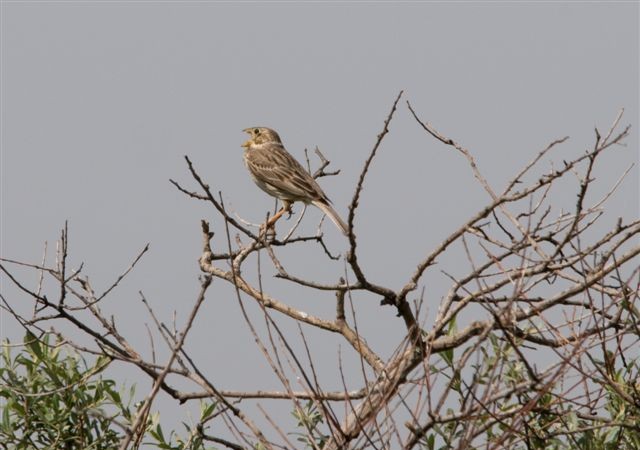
{"x":333,"y":215}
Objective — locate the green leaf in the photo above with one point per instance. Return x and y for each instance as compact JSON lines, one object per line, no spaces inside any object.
{"x":206,"y":410}
{"x":447,"y":356}
{"x":33,"y":344}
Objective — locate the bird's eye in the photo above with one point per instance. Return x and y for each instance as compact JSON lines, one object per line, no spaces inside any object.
{"x":256,"y":131}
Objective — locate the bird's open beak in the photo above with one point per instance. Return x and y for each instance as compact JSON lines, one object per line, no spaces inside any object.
{"x":246,"y":144}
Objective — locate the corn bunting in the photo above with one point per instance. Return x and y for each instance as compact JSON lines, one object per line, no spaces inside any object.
{"x":277,"y":173}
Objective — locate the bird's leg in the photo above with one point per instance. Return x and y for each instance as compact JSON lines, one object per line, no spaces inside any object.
{"x":286,"y":208}
{"x":269,"y":225}
{"x":271,"y":222}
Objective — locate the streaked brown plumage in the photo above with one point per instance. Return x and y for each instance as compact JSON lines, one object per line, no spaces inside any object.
{"x":278,"y":173}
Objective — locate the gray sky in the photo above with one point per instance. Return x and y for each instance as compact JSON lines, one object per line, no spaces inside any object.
{"x":101,"y":100}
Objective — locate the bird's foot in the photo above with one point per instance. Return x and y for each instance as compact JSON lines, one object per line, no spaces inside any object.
{"x":270,"y":224}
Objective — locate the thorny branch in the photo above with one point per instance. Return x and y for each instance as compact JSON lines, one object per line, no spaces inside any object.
{"x":536,"y":281}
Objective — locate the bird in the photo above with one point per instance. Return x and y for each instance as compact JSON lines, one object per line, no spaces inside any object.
{"x":280,"y":175}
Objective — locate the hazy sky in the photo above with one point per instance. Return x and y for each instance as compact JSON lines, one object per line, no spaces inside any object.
{"x":101,"y":100}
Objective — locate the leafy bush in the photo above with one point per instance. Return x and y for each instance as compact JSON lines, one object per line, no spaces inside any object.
{"x":52,"y":398}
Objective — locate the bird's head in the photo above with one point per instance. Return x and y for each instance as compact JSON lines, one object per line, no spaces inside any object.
{"x":260,"y":135}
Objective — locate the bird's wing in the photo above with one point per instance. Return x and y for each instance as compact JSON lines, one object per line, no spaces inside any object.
{"x":273,"y":165}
